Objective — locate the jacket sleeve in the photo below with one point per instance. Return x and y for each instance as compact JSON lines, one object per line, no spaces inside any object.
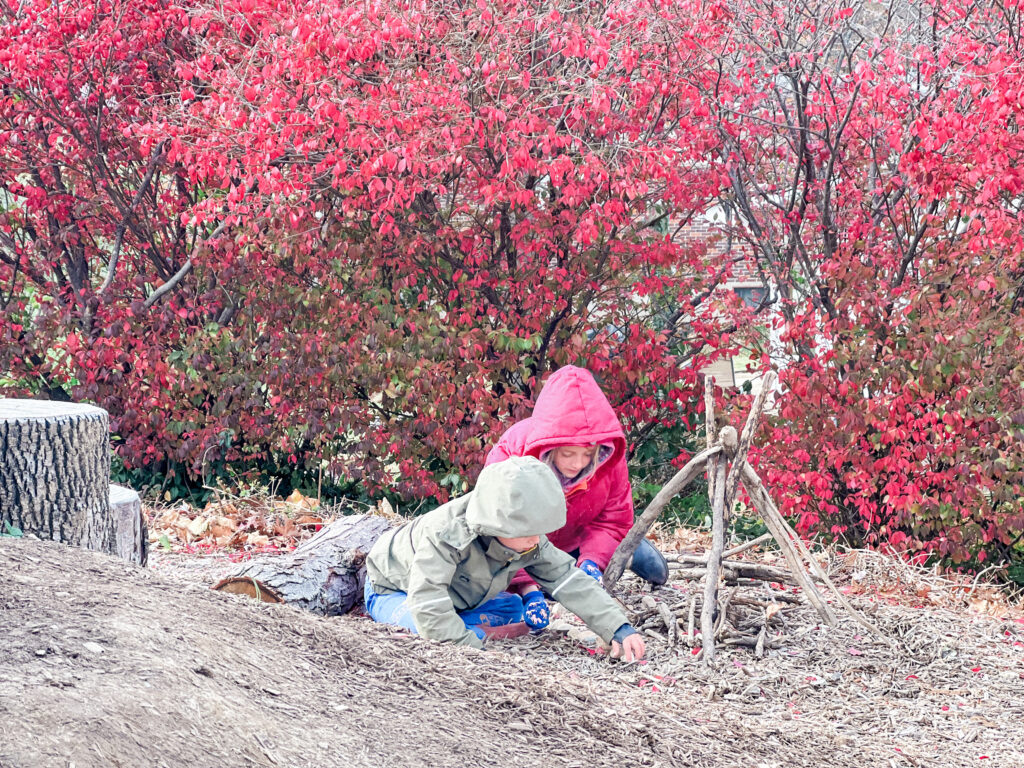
{"x":603,"y":534}
{"x":554,"y":570}
{"x":430,"y":605}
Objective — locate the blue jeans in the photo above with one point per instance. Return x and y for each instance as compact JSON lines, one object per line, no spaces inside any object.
{"x":391,"y":608}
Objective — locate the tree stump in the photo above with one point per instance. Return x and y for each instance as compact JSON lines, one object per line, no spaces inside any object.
{"x":55,"y":472}
{"x":324,"y":575}
{"x":130,"y":535}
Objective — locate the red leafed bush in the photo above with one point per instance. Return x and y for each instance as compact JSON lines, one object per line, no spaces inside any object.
{"x":341,"y":243}
{"x":877,"y":177}
{"x":345,"y":241}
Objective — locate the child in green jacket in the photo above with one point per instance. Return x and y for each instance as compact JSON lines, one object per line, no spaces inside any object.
{"x":444,"y":574}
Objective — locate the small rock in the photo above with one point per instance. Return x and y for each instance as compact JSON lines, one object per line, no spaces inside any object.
{"x":92,"y":647}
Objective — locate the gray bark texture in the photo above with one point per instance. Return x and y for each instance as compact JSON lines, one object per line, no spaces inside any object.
{"x":131,"y":534}
{"x":55,"y":472}
{"x":324,"y":575}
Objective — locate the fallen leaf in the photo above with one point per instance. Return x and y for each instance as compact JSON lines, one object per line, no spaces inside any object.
{"x":198,"y":526}
{"x":296,"y":498}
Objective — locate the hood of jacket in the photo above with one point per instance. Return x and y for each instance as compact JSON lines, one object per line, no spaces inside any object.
{"x":571,"y":409}
{"x":519,"y":496}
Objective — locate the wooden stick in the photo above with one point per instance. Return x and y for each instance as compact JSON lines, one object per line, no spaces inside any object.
{"x":747,"y":545}
{"x":749,"y":428}
{"x":763,"y":504}
{"x":671,"y":622}
{"x":750,"y":478}
{"x":689,"y":620}
{"x":734,"y":570}
{"x":759,"y":643}
{"x":643,"y":524}
{"x":707,"y":622}
{"x":710,"y":427}
{"x":723,"y":618}
{"x":755,"y":603}
{"x":698,"y":560}
{"x":748,"y":641}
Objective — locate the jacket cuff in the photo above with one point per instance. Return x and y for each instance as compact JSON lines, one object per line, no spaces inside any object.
{"x":472,"y":640}
{"x":623,"y":632}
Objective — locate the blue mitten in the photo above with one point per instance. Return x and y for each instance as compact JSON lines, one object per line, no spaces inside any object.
{"x":590,"y":568}
{"x":536,"y":613}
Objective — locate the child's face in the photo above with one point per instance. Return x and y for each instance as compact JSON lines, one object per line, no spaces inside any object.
{"x":520,"y":543}
{"x":570,"y":460}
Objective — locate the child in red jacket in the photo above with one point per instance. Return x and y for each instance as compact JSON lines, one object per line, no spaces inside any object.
{"x":575,"y":431}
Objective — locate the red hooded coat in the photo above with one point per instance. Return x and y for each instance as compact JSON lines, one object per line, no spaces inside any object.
{"x":572,"y":410}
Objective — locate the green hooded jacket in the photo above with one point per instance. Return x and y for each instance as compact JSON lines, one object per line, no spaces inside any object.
{"x":450,"y":560}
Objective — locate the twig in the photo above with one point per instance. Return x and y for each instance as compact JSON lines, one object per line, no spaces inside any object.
{"x":740,"y":459}
{"x":154,"y":161}
{"x":710,"y":427}
{"x":974,"y":584}
{"x":722,"y":619}
{"x":733,"y":571}
{"x":671,"y":622}
{"x":689,"y":620}
{"x":771,"y":516}
{"x":747,"y":545}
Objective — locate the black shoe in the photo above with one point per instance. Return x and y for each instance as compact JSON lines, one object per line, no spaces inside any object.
{"x":648,"y":563}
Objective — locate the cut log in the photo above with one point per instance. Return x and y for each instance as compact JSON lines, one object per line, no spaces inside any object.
{"x":55,"y":472}
{"x":130,"y":534}
{"x":324,"y":575}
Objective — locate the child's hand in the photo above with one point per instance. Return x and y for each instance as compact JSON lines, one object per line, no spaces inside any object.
{"x":632,"y":648}
{"x":590,"y":568}
{"x":536,"y":613}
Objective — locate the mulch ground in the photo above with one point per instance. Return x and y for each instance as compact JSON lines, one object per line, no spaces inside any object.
{"x":106,"y":664}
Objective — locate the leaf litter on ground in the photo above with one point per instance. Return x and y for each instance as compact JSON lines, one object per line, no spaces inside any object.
{"x":945,"y":693}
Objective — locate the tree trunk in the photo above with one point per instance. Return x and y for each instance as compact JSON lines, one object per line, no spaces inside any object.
{"x":129,"y":524}
{"x":325,"y":575}
{"x":55,"y":472}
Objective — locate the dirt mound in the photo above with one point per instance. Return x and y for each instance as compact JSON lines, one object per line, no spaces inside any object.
{"x":106,"y":664}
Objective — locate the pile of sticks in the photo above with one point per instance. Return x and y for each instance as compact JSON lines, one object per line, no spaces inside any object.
{"x":724,"y":460}
{"x":741,"y":619}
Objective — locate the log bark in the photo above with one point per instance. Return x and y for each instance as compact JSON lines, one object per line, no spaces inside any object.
{"x":324,"y":575}
{"x":55,"y":472}
{"x":130,"y":534}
